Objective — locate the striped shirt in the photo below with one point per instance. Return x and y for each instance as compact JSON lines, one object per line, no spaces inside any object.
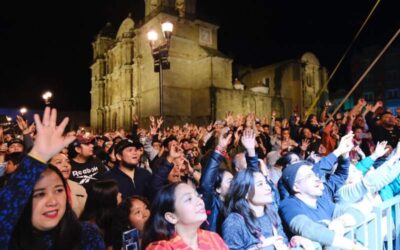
{"x":207,"y":241}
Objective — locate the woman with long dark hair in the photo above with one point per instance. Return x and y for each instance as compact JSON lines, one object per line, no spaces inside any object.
{"x":215,"y":181}
{"x":177,"y":213}
{"x":34,"y":210}
{"x":252,"y":221}
{"x":101,"y":205}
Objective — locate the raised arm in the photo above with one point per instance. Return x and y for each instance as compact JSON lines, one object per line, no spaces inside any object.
{"x":210,"y":173}
{"x":16,"y":194}
{"x":248,"y":141}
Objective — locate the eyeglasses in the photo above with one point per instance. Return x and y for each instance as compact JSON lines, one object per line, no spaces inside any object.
{"x":308,"y":177}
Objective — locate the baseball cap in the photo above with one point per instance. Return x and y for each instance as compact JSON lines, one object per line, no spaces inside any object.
{"x":125,"y":143}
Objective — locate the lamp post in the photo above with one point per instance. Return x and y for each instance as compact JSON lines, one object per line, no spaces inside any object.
{"x":23,"y":111}
{"x":46,"y":97}
{"x":160,"y":54}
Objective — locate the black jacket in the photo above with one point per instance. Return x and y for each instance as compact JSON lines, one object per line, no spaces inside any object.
{"x":213,"y":203}
{"x":140,"y":185}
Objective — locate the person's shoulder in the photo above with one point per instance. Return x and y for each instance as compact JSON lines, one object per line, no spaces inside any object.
{"x":74,"y":163}
{"x":76,"y":186}
{"x":114,"y":172}
{"x":211,"y":239}
{"x":143,"y":172}
{"x":89,"y":228}
{"x":160,"y":245}
{"x":208,"y":233}
{"x":234,"y":216}
{"x":288,"y":201}
{"x":290,"y":205}
{"x":91,"y":236}
{"x":96,"y":161}
{"x":233,"y":219}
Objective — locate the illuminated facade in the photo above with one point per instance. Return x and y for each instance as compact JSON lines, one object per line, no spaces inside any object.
{"x":198,"y":86}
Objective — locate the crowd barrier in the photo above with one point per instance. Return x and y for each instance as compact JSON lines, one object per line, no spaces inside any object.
{"x":380,"y":230}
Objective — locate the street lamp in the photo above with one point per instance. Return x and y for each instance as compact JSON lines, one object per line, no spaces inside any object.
{"x":160,"y":54}
{"x":46,"y":97}
{"x":23,"y":110}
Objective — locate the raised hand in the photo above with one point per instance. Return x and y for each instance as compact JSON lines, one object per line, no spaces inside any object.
{"x":135,"y":119}
{"x":160,"y":121}
{"x":360,"y":152}
{"x":380,"y":150}
{"x":377,"y":105}
{"x":153,"y":130}
{"x":249,"y":141}
{"x":210,"y":127}
{"x":224,"y":138}
{"x":368,"y":107}
{"x":304,"y":145}
{"x":276,"y":241}
{"x":285,"y":123}
{"x":345,"y":145}
{"x":229,"y":118}
{"x":237,"y":135}
{"x":22,"y":124}
{"x":239,"y":120}
{"x":250,"y":120}
{"x":175,"y":152}
{"x":152,"y":120}
{"x":49,"y":137}
{"x":361,"y":102}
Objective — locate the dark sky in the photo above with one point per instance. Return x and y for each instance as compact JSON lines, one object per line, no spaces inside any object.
{"x":47,"y":44}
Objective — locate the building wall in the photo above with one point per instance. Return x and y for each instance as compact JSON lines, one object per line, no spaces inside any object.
{"x":296,"y":80}
{"x":198,"y":86}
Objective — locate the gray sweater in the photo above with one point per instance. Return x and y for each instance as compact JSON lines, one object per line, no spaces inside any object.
{"x":237,"y":236}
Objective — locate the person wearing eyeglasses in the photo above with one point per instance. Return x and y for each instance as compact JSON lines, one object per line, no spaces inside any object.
{"x":309,"y":211}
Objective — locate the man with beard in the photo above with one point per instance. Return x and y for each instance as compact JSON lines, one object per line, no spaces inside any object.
{"x":384,"y":129}
{"x":382,"y":124}
{"x":131,"y":179}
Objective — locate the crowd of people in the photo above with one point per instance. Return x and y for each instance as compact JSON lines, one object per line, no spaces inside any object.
{"x":239,"y":183}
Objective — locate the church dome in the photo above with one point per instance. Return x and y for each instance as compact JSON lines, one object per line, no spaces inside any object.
{"x":107,"y":31}
{"x":310,"y":58}
{"x":127,"y":26}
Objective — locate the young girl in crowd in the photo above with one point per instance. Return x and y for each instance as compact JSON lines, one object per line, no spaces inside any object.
{"x":132,"y":213}
{"x":253,"y":222}
{"x":176,"y":215}
{"x":76,"y":193}
{"x":34,"y":209}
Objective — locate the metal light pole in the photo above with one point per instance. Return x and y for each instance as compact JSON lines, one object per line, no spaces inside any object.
{"x":160,"y":55}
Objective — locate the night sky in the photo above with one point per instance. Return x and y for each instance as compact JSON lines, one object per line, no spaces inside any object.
{"x":47,"y":44}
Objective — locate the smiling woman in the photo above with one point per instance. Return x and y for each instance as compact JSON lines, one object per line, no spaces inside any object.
{"x":253,"y":223}
{"x":49,"y":200}
{"x":34,"y":209}
{"x":176,"y":215}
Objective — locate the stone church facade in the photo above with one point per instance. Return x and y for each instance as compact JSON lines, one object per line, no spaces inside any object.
{"x":199,"y":86}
